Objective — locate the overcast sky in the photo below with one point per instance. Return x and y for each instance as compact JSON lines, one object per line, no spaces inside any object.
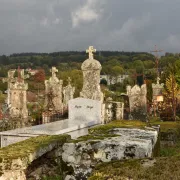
{"x":60,"y":25}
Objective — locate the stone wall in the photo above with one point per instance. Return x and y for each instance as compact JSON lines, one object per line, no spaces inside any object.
{"x":16,"y":159}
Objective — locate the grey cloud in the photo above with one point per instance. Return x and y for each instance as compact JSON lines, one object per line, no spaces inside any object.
{"x":55,"y":25}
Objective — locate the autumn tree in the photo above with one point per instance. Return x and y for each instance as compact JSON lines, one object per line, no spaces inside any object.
{"x":40,"y":76}
{"x":173,"y":91}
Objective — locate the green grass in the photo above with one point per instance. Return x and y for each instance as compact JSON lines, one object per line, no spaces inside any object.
{"x":165,"y":125}
{"x":163,"y":169}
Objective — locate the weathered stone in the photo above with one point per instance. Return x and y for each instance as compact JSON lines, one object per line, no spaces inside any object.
{"x":70,"y":177}
{"x":53,"y":90}
{"x":113,"y":111}
{"x":16,"y":159}
{"x":137,"y":99}
{"x":9,"y":80}
{"x":157,"y":89}
{"x":91,"y":78}
{"x":68,"y":93}
{"x":17,"y":92}
{"x":53,"y":98}
{"x":131,"y":143}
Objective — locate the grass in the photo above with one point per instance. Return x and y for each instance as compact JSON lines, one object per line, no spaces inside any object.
{"x":165,"y":125}
{"x":163,"y":169}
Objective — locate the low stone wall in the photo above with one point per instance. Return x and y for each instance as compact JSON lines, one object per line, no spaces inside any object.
{"x":15,"y":159}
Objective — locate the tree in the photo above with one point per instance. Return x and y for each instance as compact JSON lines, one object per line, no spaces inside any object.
{"x":39,"y":76}
{"x":173,"y":91}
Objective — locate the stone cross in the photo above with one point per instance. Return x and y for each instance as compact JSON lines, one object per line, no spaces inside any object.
{"x":158,"y":79}
{"x":69,"y":80}
{"x":54,"y":71}
{"x":68,"y":92}
{"x":10,"y":77}
{"x":91,"y":50}
{"x":21,"y":75}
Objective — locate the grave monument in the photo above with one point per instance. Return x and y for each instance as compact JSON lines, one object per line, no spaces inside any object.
{"x":68,"y":93}
{"x":53,"y":93}
{"x":157,"y":89}
{"x":10,"y":79}
{"x":91,"y":77}
{"x":137,"y":100}
{"x":17,"y":92}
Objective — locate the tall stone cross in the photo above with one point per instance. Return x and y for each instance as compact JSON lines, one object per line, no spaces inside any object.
{"x":157,"y":59}
{"x":91,"y":50}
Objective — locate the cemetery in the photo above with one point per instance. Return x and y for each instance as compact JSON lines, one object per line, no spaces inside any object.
{"x":78,"y":136}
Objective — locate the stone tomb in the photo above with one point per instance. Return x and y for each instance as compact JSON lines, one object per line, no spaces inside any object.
{"x":84,"y":110}
{"x":67,"y":126}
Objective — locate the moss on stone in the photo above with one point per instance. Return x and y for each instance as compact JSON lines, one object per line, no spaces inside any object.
{"x":90,"y":138}
{"x":23,"y":149}
{"x":103,"y":129}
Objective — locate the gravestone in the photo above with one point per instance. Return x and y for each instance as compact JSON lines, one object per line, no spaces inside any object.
{"x":68,"y":93}
{"x":157,"y":89}
{"x":113,"y":110}
{"x":137,"y":101}
{"x":18,"y":96}
{"x":91,"y":77}
{"x":84,"y":110}
{"x":10,"y":79}
{"x":53,"y":91}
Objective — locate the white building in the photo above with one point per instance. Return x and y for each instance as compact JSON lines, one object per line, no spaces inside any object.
{"x":113,"y":80}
